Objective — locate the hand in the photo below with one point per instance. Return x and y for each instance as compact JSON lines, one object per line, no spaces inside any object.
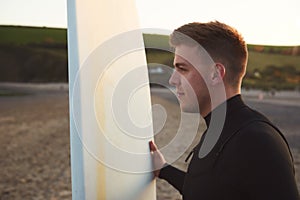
{"x":158,"y":160}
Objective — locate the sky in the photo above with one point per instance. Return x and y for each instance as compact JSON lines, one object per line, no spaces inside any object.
{"x":268,"y":22}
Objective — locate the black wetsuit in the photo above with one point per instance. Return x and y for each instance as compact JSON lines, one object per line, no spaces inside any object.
{"x":251,"y":160}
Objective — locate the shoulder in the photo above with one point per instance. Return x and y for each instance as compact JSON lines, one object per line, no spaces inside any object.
{"x":260,"y":132}
{"x":260,"y":135}
{"x":262,"y":161}
{"x":247,"y":126}
{"x":260,"y":144}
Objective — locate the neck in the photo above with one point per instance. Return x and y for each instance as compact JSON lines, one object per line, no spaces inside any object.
{"x":231,"y":92}
{"x":218,"y":96}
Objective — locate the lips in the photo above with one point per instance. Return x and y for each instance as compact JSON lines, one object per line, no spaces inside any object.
{"x":180,"y":94}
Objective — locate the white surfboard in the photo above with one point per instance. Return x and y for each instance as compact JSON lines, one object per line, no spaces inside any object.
{"x":110,"y":108}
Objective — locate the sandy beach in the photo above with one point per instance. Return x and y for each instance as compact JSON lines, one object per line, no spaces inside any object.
{"x":34,"y":137}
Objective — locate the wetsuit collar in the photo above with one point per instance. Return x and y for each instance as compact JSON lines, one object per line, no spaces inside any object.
{"x":233,"y":103}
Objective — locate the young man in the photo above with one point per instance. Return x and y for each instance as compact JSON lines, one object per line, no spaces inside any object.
{"x":248,"y":157}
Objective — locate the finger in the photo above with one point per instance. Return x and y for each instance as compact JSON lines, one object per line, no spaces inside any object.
{"x":152,"y":146}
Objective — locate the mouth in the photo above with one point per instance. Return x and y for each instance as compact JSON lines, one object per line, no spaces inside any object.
{"x":180,"y":94}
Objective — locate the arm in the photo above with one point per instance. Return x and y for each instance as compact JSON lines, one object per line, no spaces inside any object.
{"x":164,"y":171}
{"x":173,"y":176}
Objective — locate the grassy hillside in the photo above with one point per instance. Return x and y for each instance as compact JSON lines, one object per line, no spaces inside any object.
{"x":156,"y":41}
{"x":20,"y":35}
{"x":260,"y":60}
{"x":39,"y":54}
{"x":33,"y":54}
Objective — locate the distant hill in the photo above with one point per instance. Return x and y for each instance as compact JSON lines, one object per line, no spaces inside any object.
{"x":33,"y":54}
{"x":39,"y":54}
{"x":23,"y":35}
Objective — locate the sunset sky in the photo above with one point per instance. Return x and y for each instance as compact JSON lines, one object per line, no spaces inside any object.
{"x":270,"y":22}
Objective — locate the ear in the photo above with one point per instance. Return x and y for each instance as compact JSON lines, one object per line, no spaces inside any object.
{"x":218,"y":73}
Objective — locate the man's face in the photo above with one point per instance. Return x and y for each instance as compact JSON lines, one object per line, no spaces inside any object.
{"x":188,"y":77}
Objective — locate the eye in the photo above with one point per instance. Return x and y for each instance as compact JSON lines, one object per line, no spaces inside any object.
{"x":181,"y":69}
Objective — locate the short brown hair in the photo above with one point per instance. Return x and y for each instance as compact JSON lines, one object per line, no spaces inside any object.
{"x":223,"y":43}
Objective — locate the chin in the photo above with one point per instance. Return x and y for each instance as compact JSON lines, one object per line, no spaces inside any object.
{"x":189,"y":109}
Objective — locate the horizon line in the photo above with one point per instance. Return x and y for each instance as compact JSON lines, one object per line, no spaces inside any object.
{"x":149,"y":33}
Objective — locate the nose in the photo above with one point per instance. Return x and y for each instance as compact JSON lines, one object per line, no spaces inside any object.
{"x":174,"y":79}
